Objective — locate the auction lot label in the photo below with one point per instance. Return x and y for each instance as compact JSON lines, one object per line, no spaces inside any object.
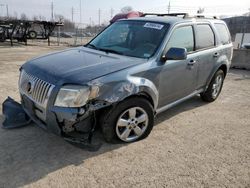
{"x":154,"y":26}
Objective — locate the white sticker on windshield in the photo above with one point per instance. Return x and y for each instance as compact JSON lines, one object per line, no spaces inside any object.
{"x":147,"y":55}
{"x":154,"y":26}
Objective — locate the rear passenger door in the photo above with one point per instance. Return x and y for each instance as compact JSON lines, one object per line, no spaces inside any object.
{"x":226,"y":46}
{"x":206,"y":51}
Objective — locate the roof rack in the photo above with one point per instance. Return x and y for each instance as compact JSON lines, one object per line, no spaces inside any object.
{"x":203,"y":16}
{"x":184,"y":15}
{"x":170,"y":14}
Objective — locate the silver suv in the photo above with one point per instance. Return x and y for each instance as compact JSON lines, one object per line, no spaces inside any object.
{"x":133,"y":70}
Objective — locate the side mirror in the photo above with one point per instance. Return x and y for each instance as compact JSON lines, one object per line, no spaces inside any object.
{"x":175,"y":54}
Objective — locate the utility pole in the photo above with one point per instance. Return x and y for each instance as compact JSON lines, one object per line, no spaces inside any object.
{"x":169,"y":7}
{"x":81,"y":19}
{"x":7,"y":10}
{"x":52,"y":10}
{"x":90,"y":21}
{"x":72,"y":12}
{"x":112,"y":13}
{"x":80,"y":11}
{"x":99,"y":16}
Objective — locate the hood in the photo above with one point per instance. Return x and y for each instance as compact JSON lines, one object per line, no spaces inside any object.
{"x":77,"y":65}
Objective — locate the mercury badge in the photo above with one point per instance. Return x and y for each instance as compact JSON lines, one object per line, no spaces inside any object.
{"x":29,"y":87}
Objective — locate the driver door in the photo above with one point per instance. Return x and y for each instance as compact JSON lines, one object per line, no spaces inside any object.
{"x":178,"y":78}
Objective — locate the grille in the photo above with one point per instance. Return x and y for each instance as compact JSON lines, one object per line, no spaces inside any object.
{"x":35,"y":88}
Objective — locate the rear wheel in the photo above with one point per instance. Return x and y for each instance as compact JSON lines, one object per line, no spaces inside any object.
{"x":32,"y":34}
{"x":214,"y":88}
{"x":130,"y":121}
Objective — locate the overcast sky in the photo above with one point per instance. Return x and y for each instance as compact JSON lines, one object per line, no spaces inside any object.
{"x":90,"y":7}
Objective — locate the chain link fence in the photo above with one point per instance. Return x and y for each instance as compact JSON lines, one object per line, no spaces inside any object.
{"x":76,"y":36}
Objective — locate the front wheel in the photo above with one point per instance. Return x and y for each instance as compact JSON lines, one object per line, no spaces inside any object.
{"x":130,"y":121}
{"x":214,"y":88}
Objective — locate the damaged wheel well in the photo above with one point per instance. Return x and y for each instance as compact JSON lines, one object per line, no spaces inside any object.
{"x":102,"y":112}
{"x":143,"y":95}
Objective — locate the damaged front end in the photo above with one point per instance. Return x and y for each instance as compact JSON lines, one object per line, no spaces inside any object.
{"x":77,"y":127}
{"x":71,"y":110}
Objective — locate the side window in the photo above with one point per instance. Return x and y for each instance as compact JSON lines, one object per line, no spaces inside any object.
{"x":223,"y":33}
{"x":205,"y":37}
{"x":182,"y":37}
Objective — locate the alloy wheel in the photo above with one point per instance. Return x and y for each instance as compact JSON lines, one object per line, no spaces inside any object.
{"x":131,"y":124}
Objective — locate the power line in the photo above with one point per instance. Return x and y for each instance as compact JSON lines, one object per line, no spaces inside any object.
{"x":7,"y":9}
{"x":1,"y":5}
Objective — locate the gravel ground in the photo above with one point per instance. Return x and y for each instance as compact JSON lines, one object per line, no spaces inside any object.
{"x":195,"y":144}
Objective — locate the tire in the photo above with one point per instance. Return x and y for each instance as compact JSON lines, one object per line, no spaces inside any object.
{"x":214,"y":88}
{"x":124,"y":111}
{"x":32,"y":34}
{"x":2,"y":37}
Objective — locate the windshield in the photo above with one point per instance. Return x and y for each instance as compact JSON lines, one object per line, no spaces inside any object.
{"x":131,"y":38}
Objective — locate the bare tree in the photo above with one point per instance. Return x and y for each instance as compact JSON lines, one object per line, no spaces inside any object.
{"x":41,"y":18}
{"x":15,"y":15}
{"x":23,"y":16}
{"x":59,"y":18}
{"x":126,"y":9}
{"x":248,"y":14}
{"x":200,"y":10}
{"x":35,"y":18}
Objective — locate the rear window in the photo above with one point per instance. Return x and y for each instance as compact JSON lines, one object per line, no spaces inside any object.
{"x":223,"y":33}
{"x":204,"y":36}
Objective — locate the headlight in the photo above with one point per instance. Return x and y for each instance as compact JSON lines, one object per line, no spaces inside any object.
{"x":73,"y":96}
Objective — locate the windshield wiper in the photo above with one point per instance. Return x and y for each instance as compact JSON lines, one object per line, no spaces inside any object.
{"x":110,"y":51}
{"x":104,"y":49}
{"x":92,"y":46}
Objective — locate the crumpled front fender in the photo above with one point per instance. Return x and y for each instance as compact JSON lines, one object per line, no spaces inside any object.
{"x":114,"y":92}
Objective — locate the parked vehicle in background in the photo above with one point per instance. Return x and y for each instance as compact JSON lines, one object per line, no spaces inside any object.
{"x":246,"y":46}
{"x":134,"y":69}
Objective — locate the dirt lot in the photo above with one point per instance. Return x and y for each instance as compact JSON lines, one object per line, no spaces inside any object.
{"x":193,"y":145}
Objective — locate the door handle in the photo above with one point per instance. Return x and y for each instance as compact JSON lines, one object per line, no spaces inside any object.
{"x":191,"y":62}
{"x":216,"y":54}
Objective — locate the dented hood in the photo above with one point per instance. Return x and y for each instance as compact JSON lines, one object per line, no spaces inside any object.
{"x":77,"y":65}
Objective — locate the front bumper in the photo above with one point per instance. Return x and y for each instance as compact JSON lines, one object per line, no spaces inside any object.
{"x":16,"y":116}
{"x":49,"y":124}
{"x":56,"y":117}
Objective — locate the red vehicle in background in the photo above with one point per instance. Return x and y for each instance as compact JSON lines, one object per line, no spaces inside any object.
{"x":132,"y":14}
